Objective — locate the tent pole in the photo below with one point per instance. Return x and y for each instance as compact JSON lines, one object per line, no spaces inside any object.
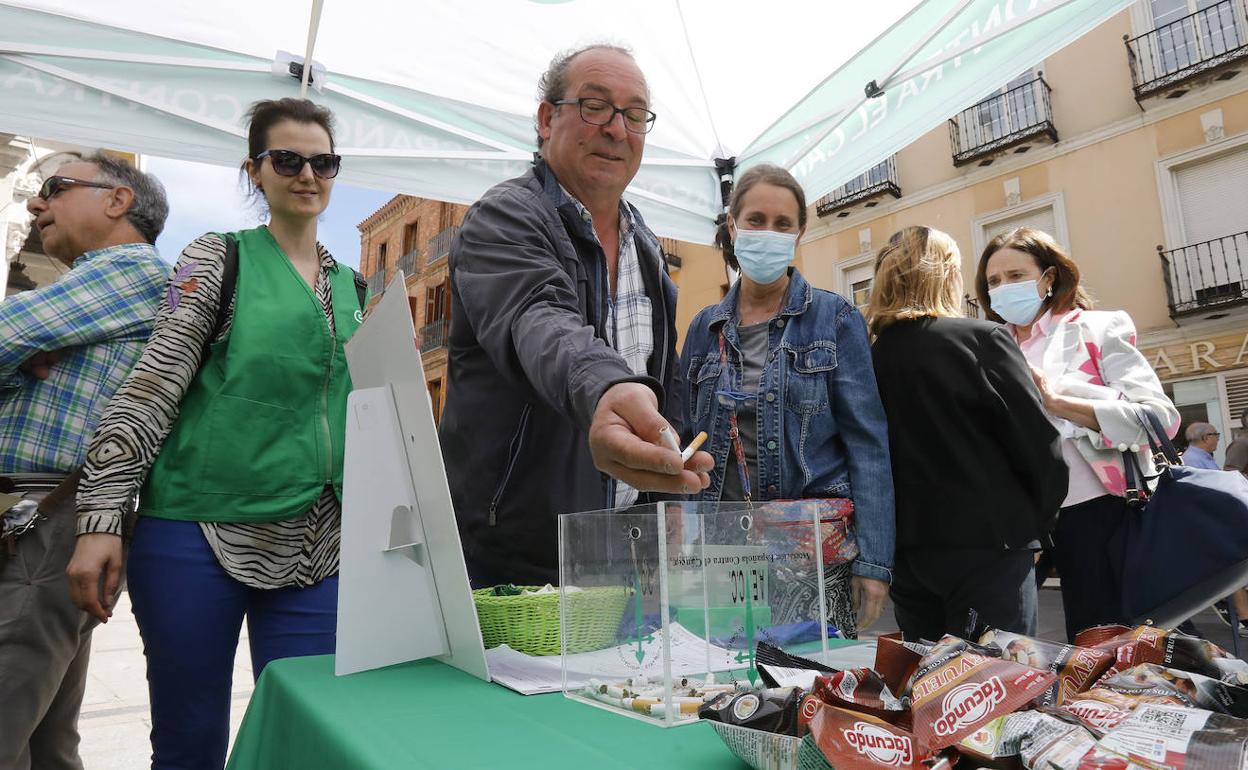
{"x":314,"y":23}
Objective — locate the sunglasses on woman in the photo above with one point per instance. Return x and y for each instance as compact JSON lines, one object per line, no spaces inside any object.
{"x":55,"y":185}
{"x":290,"y":163}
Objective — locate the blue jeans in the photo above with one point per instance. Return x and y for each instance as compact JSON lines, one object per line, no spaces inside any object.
{"x":189,"y":613}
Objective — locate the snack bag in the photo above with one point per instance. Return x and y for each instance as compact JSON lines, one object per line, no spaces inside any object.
{"x":1170,"y":738}
{"x":1077,"y":668}
{"x":1147,"y":644}
{"x":771,"y":710}
{"x":859,"y":689}
{"x":967,"y":691}
{"x":853,"y":741}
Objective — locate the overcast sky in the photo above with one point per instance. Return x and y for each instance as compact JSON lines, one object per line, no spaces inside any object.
{"x":205,"y":198}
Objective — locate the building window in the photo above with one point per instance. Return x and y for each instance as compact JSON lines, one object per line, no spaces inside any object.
{"x":435,"y":399}
{"x":438,"y":302}
{"x":1047,"y":213}
{"x":856,"y":279}
{"x":381,"y":259}
{"x":410,"y":232}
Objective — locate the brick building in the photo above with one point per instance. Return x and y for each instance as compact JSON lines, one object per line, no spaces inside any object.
{"x":414,"y":235}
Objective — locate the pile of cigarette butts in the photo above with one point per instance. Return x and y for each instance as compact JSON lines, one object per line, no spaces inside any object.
{"x":1116,"y":699}
{"x":646,"y":696}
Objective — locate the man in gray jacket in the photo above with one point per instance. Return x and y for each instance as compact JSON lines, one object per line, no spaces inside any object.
{"x":562,"y":348}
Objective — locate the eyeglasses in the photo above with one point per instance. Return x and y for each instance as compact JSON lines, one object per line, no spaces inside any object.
{"x":290,"y":163}
{"x":54,"y":185}
{"x":600,"y":112}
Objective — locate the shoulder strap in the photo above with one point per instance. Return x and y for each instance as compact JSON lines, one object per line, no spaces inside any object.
{"x":229,"y":282}
{"x":361,"y":287}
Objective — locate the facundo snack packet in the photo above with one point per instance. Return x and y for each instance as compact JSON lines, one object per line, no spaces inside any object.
{"x":1157,"y":685}
{"x":1051,"y":741}
{"x":772,"y":710}
{"x":1171,"y":738}
{"x":1147,"y":644}
{"x":965,"y":692}
{"x":853,"y":741}
{"x":1077,"y":668}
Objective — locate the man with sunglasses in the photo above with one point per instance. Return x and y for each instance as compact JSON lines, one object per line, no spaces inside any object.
{"x":562,"y":356}
{"x":64,"y":349}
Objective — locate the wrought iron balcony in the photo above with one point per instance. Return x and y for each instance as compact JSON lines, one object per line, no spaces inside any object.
{"x":1189,"y":47}
{"x":377,"y":282}
{"x":1206,"y":275}
{"x":1009,"y":120}
{"x":440,"y":244}
{"x":876,"y":181}
{"x":409,"y":263}
{"x":970,"y":307}
{"x":434,"y":335}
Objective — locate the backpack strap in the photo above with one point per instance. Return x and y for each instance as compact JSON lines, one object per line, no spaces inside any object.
{"x":229,"y":283}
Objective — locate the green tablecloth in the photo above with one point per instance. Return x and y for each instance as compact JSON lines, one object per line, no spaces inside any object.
{"x":429,"y":715}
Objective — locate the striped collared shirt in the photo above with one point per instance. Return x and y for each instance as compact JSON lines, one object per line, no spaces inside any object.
{"x":99,"y":314}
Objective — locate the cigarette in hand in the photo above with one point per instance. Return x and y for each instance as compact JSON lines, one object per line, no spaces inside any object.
{"x":693,"y":447}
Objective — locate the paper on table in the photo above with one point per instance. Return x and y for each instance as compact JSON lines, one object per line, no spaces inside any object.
{"x":530,"y":675}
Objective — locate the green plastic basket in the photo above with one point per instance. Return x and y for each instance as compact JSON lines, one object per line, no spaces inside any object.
{"x":530,"y":623}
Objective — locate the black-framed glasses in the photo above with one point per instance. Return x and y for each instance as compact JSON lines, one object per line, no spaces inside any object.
{"x":290,"y":163}
{"x":54,"y":185}
{"x":600,"y":112}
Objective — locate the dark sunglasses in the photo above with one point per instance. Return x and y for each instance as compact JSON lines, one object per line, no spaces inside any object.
{"x":54,"y":185}
{"x":290,"y":163}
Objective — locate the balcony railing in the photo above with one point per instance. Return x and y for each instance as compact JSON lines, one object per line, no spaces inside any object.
{"x":433,"y":335}
{"x":440,"y":244}
{"x":876,"y":181}
{"x":1206,"y":275}
{"x":970,"y":307}
{"x":409,"y":263}
{"x":1188,"y":47}
{"x":377,"y":282}
{"x":999,"y":122}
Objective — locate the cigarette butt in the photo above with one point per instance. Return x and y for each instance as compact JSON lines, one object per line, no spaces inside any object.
{"x":669,"y":439}
{"x":693,"y":446}
{"x":659,"y":709}
{"x":641,"y":704}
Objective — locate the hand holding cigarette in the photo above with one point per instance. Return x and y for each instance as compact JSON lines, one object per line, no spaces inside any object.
{"x":626,"y":439}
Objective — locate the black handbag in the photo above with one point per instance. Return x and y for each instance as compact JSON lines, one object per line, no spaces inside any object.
{"x":1184,"y":545}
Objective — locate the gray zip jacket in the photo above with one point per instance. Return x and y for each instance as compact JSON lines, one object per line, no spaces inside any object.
{"x":528,"y":361}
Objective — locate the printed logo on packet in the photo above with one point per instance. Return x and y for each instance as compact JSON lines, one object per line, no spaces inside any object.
{"x":967,"y":704}
{"x":879,"y":744}
{"x":1096,"y":713}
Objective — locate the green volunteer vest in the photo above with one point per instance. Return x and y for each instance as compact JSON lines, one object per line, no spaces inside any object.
{"x":260,"y":431}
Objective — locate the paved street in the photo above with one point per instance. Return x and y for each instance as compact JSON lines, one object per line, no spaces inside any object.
{"x":116,"y":720}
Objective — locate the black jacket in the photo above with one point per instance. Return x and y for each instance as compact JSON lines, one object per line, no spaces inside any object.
{"x":976,"y":462}
{"x":528,"y":361}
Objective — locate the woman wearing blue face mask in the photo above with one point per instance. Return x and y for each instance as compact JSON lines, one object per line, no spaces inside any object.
{"x":1092,"y":381}
{"x":779,"y":376}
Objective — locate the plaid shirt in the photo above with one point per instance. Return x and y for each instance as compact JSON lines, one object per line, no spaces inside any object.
{"x":100,"y":313}
{"x":629,"y":321}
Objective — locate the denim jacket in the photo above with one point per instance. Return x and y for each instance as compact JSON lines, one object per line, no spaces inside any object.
{"x":821,"y":428}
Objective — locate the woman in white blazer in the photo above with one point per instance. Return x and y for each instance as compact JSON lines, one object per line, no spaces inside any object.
{"x":1092,"y":380}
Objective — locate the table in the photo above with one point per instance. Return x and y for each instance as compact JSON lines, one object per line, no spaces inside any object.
{"x":426,"y":714}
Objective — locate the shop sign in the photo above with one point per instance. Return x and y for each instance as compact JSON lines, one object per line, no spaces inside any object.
{"x":1200,"y":356}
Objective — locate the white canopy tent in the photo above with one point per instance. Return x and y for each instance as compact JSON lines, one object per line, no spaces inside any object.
{"x":436,"y":98}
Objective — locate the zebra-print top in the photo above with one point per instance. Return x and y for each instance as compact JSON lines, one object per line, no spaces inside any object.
{"x":297,"y":552}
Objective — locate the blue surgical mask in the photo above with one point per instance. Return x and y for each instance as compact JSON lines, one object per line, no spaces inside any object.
{"x":1019,"y":303}
{"x":764,"y":255}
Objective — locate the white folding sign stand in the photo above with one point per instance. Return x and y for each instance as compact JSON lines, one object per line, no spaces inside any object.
{"x":403,"y":590}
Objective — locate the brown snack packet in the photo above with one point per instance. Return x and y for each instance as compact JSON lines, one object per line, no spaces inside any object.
{"x":965,"y":692}
{"x":1077,"y":668}
{"x":1147,"y":644}
{"x":853,"y":741}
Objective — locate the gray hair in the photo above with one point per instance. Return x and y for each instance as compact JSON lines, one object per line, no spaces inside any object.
{"x":1197,"y":431}
{"x":554,"y":81}
{"x":150,"y":208}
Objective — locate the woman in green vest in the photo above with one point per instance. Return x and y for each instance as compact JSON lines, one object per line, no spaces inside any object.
{"x":230,"y":429}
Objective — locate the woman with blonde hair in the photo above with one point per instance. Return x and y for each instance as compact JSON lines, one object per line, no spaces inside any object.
{"x":1093,"y":382}
{"x":977,"y":468}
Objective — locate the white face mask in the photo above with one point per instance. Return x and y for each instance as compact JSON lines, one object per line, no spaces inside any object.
{"x":764,"y":255}
{"x":1018,"y":303}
